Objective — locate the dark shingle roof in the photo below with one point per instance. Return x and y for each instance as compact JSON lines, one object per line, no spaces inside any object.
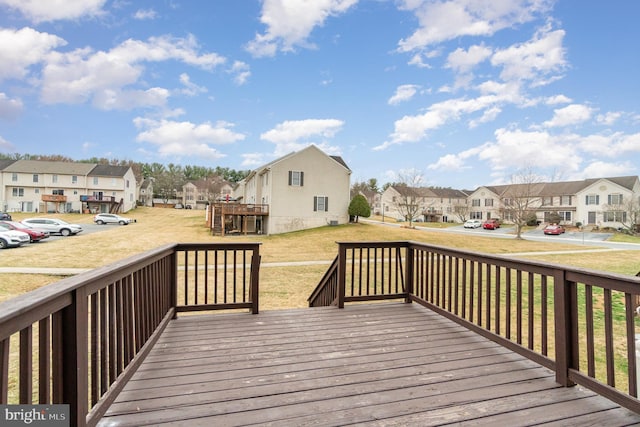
{"x":109,"y":170}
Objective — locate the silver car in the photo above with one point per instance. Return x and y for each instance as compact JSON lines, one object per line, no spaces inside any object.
{"x":108,"y":218}
{"x":53,"y":226}
{"x":12,"y":238}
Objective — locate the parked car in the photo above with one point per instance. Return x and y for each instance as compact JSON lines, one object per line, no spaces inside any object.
{"x":491,"y":224}
{"x":35,"y":235}
{"x":107,"y":218}
{"x":53,"y":226}
{"x":553,"y":229}
{"x":12,"y":238}
{"x":473,"y":223}
{"x":5,"y":216}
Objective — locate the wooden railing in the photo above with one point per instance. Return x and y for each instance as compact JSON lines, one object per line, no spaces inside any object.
{"x":79,"y":340}
{"x":580,"y":323}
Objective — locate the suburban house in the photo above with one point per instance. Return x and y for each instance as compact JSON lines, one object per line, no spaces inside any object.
{"x":200,"y":193}
{"x":303,"y":189}
{"x":602,"y":202}
{"x":145,"y":192}
{"x":51,"y":186}
{"x":428,"y":204}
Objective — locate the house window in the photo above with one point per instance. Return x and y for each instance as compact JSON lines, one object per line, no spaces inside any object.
{"x":35,"y":177}
{"x":127,"y":184}
{"x":475,"y":215}
{"x":18,"y":192}
{"x":547,"y":201}
{"x":36,"y":190}
{"x":320,"y":203}
{"x":566,"y":215}
{"x":565,"y":200}
{"x":475,"y":202}
{"x":57,"y":192}
{"x":95,"y":180}
{"x":507,"y":202}
{"x":488,"y":202}
{"x":615,"y":199}
{"x":615,"y":216}
{"x":54,"y":178}
{"x":296,"y":178}
{"x":74,"y":179}
{"x":14,"y":177}
{"x":592,"y":199}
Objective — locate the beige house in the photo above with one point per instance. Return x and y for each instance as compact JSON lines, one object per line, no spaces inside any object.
{"x":430,"y":204}
{"x":200,"y":193}
{"x":603,"y":202}
{"x":46,"y":186}
{"x":304,"y":189}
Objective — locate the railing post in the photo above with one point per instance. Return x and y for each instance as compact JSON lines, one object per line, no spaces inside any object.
{"x":73,"y":358}
{"x":255,"y":279}
{"x":173,"y":292}
{"x":342,"y":272}
{"x":565,"y":318}
{"x":408,"y":286}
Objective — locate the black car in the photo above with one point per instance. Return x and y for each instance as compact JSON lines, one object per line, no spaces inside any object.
{"x":5,"y":216}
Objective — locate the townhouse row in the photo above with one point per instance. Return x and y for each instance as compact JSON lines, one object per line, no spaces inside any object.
{"x":59,"y":187}
{"x":605,"y":202}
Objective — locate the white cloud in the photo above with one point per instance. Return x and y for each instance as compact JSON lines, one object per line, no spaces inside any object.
{"x":539,"y":60}
{"x":53,"y":10}
{"x":449,"y":19}
{"x":253,"y":160}
{"x":609,"y":118}
{"x":611,"y":145}
{"x":145,"y":14}
{"x":290,"y":23}
{"x":190,"y":88}
{"x":517,"y":148}
{"x":21,"y":49}
{"x":82,"y":74}
{"x":463,"y":61}
{"x":240,"y":71}
{"x":414,"y":128}
{"x":186,"y":139}
{"x":9,"y":108}
{"x":403,"y":93}
{"x":557,"y":99}
{"x":293,"y":135}
{"x":569,"y":115}
{"x":599,"y":169}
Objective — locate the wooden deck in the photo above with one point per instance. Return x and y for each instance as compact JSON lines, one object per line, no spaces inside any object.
{"x":369,"y":364}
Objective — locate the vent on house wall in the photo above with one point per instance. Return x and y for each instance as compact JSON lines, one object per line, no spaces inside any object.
{"x":333,"y":222}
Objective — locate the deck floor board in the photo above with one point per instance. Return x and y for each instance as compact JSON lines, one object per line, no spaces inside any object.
{"x":386,"y":364}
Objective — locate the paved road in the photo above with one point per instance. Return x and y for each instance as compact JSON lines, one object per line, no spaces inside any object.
{"x":570,"y":237}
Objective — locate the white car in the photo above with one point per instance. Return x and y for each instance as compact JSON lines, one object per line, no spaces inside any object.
{"x":107,"y":218}
{"x":473,"y":223}
{"x":53,"y":226}
{"x":12,"y":238}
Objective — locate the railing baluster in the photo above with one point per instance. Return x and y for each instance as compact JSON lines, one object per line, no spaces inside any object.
{"x":26,"y":365}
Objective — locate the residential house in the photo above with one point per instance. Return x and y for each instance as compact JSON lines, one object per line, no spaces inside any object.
{"x":304,"y":189}
{"x":430,"y":204}
{"x":145,"y":192}
{"x":200,"y":193}
{"x":595,"y":202}
{"x":51,"y":186}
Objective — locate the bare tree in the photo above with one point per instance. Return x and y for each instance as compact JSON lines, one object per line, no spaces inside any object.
{"x":462,"y":211}
{"x":521,"y":198}
{"x":409,"y":188}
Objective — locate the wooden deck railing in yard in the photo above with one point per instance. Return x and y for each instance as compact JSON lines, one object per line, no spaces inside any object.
{"x":79,"y":340}
{"x":580,"y":323}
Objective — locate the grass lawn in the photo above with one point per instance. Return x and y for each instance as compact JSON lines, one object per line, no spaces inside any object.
{"x":281,"y":287}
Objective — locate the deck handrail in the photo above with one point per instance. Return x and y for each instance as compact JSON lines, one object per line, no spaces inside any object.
{"x":326,"y":292}
{"x":568,"y":319}
{"x":79,"y":340}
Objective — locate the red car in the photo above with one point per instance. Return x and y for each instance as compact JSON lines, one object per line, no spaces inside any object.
{"x":34,"y":235}
{"x":553,"y":229}
{"x":491,"y":224}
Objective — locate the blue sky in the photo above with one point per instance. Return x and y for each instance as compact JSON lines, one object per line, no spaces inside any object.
{"x":461,"y":92}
